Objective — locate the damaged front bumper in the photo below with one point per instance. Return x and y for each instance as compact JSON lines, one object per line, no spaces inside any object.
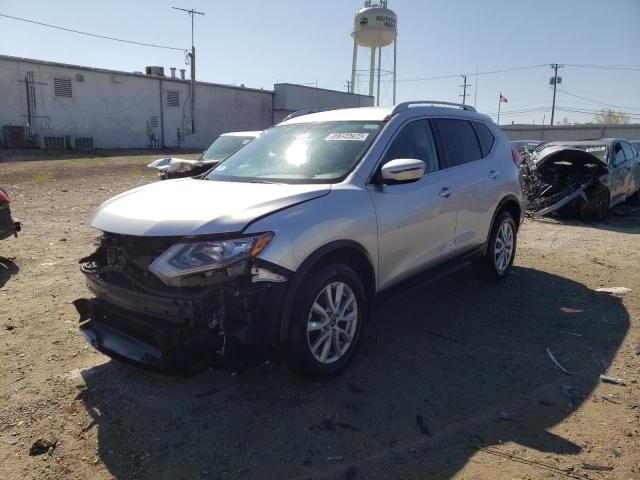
{"x":170,"y":328}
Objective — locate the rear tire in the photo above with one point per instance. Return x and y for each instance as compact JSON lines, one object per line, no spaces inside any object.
{"x":634,"y":199}
{"x":497,"y":261}
{"x":597,"y":205}
{"x":327,"y":320}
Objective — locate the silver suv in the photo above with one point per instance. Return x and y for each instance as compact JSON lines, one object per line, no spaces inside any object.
{"x":283,"y":246}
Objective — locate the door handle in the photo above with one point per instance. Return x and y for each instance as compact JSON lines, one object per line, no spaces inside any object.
{"x":446,"y":192}
{"x":493,"y":174}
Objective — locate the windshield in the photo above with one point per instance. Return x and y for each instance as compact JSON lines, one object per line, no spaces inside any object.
{"x":300,"y":153}
{"x":224,"y":146}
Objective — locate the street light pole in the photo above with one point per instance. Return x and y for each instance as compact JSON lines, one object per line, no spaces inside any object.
{"x":192,"y":61}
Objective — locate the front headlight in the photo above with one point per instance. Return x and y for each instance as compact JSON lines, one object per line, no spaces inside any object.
{"x":188,"y":258}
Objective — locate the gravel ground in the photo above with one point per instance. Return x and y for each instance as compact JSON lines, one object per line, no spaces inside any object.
{"x":453,"y":379}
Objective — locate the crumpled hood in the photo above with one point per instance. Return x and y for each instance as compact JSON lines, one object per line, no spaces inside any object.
{"x":190,"y":206}
{"x":575,"y":156}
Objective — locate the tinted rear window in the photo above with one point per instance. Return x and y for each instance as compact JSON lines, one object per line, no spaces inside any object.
{"x":458,"y":141}
{"x":485,"y":137}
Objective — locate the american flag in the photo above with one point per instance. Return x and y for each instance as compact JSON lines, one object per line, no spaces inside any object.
{"x":503,"y":99}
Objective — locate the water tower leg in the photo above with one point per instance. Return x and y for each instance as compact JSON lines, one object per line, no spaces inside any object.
{"x":354,"y":64}
{"x":395,"y":51}
{"x":372,"y":71}
{"x":379,"y":64}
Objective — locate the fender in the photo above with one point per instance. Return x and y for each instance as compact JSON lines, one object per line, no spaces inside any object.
{"x":282,"y":335}
{"x":509,"y":197}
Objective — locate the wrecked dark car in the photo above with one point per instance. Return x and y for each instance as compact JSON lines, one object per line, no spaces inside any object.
{"x":220,"y":149}
{"x":586,"y":177}
{"x":8,"y":226}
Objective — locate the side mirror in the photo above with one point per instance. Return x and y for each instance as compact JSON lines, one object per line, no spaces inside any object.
{"x":402,"y":170}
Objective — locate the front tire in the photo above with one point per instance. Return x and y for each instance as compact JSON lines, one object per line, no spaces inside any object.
{"x":497,"y":261}
{"x":327,"y":320}
{"x":597,"y":205}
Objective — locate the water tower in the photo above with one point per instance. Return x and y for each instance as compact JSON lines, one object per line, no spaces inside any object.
{"x":375,"y":27}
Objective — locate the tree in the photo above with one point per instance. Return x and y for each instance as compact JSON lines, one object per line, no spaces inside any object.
{"x":611,"y":117}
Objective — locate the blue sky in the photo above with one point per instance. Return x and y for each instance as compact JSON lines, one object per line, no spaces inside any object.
{"x":259,"y":43}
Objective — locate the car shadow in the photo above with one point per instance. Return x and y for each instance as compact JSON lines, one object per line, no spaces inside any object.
{"x":445,"y":369}
{"x":622,"y":218}
{"x":7,"y":269}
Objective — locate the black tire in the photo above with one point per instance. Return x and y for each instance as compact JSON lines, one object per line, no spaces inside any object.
{"x":486,"y":266}
{"x":597,"y":205}
{"x":634,"y":199}
{"x":301,"y":357}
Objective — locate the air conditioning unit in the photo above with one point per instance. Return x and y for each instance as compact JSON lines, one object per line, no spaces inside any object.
{"x":54,"y":143}
{"x":83,"y":143}
{"x":154,"y":71}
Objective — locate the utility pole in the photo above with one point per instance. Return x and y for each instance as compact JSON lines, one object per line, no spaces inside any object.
{"x":192,"y":61}
{"x":464,"y":91}
{"x":555,"y":80}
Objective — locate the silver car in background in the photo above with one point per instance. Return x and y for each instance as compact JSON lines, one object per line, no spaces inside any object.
{"x":283,"y":246}
{"x":221,"y":148}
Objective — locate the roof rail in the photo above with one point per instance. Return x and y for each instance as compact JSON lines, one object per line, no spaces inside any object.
{"x":401,"y":107}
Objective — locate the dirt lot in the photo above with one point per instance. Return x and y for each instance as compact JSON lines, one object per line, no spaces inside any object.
{"x":490,"y":399}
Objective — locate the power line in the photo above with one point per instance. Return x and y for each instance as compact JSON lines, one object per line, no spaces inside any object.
{"x":605,"y":67}
{"x":92,"y":34}
{"x":441,"y":77}
{"x":596,"y":101}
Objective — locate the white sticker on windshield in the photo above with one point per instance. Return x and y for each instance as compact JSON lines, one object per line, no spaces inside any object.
{"x":596,"y":149}
{"x":357,"y":137}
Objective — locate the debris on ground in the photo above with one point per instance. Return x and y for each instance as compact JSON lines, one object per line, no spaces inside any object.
{"x":616,"y":452}
{"x":546,"y":403}
{"x":614,"y":290}
{"x":422,"y":425}
{"x":633,"y":405}
{"x":556,"y":363}
{"x":597,"y":468}
{"x":42,"y":446}
{"x":571,"y":333}
{"x":502,"y":415}
{"x":608,"y":379}
{"x":573,"y":393}
{"x":442,"y":335}
{"x":335,"y":458}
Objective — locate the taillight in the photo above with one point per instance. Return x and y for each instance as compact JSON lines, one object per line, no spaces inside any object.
{"x":4,"y":197}
{"x":516,"y":157}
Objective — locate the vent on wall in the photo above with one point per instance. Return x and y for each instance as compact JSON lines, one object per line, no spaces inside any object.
{"x":62,"y":87}
{"x":84,"y":143}
{"x":54,"y":143}
{"x":153,"y":121}
{"x":173,"y":98}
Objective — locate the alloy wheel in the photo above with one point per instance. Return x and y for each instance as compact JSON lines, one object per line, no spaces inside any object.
{"x":332,"y":322}
{"x":504,"y":247}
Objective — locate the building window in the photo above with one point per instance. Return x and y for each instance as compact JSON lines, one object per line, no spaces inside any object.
{"x":173,"y":98}
{"x":62,"y":87}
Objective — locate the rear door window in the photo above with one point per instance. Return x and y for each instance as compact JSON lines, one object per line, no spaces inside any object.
{"x":485,"y":137}
{"x":458,"y":141}
{"x":618,"y":154}
{"x":415,"y":141}
{"x":628,"y":150}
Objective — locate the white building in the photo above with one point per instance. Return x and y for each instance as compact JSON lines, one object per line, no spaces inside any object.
{"x":57,"y":105}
